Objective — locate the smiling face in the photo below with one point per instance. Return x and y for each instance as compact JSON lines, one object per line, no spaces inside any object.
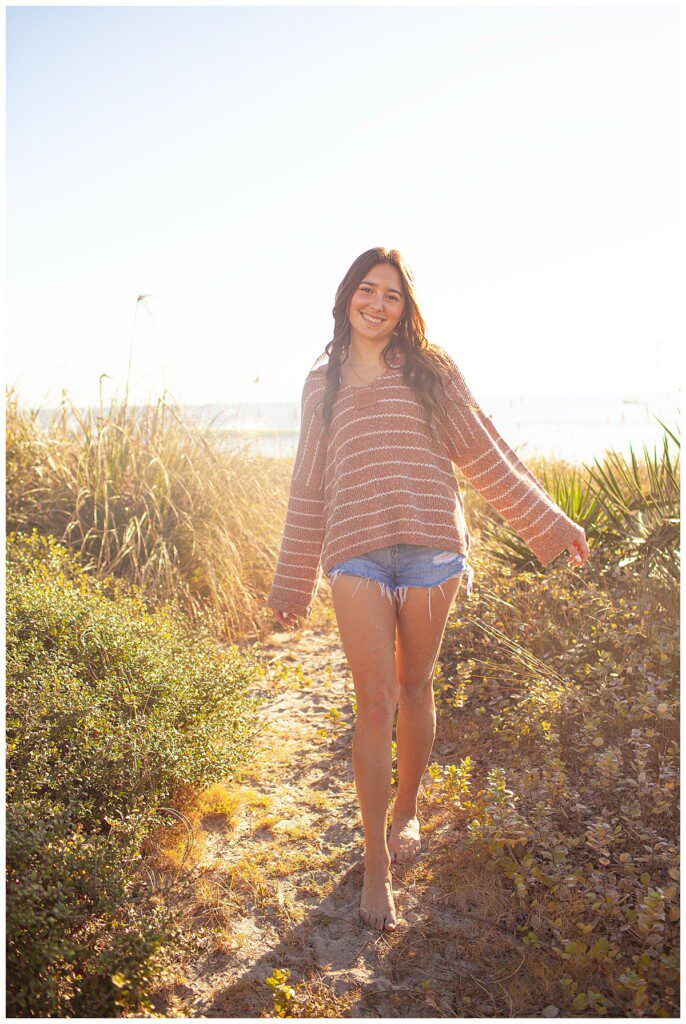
{"x":377,"y":303}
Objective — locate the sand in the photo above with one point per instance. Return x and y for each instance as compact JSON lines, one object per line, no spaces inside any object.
{"x":287,"y":878}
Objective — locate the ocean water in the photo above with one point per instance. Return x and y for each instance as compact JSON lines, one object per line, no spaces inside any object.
{"x":578,"y":428}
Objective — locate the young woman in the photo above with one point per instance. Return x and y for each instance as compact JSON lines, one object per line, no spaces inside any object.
{"x":375,"y":502}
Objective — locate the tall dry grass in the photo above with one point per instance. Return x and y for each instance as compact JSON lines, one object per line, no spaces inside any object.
{"x":153,"y":498}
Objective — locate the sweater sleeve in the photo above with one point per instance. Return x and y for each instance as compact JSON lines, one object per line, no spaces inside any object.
{"x":494,"y":469}
{"x":298,"y":570}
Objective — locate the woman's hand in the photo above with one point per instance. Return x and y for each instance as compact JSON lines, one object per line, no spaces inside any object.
{"x":287,"y":619}
{"x":578,"y":549}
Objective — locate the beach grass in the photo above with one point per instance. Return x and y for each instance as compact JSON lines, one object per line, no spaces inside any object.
{"x":152,"y":498}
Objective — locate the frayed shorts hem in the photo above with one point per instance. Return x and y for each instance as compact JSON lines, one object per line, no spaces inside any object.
{"x":400,"y":593}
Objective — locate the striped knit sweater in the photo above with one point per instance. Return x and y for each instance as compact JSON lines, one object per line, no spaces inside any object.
{"x":380,"y":479}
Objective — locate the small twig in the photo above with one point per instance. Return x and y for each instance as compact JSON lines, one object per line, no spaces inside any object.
{"x":512,"y":974}
{"x":483,"y":987}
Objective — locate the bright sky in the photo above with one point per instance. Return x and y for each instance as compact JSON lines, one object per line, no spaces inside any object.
{"x":231,"y":162}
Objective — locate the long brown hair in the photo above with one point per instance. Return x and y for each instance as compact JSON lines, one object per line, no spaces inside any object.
{"x":422,"y":362}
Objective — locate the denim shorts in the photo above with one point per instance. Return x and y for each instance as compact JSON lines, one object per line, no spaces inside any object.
{"x":400,"y":566}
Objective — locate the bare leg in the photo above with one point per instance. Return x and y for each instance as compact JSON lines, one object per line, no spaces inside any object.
{"x":419,"y":640}
{"x":366,"y":621}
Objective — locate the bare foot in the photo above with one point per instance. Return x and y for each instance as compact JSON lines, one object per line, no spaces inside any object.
{"x":404,"y":843}
{"x":377,"y":907}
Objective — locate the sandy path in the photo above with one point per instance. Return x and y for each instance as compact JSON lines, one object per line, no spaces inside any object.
{"x":286,"y":872}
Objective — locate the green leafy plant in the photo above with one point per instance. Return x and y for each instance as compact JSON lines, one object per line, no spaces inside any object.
{"x":283,"y":992}
{"x":573,"y":690}
{"x":641,"y":507}
{"x":113,"y":710}
{"x":629,"y":508}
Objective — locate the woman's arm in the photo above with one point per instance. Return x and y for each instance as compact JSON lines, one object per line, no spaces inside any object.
{"x":298,"y":569}
{"x":498,"y":473}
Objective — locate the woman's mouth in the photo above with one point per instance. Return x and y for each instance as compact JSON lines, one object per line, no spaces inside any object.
{"x":372,"y":319}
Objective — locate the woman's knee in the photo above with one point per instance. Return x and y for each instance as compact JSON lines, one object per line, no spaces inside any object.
{"x":376,"y":707}
{"x":415,"y":689}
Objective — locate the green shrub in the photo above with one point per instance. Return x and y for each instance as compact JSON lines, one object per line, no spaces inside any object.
{"x":112,"y":709}
{"x":82,"y":935}
{"x":565,"y":686}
